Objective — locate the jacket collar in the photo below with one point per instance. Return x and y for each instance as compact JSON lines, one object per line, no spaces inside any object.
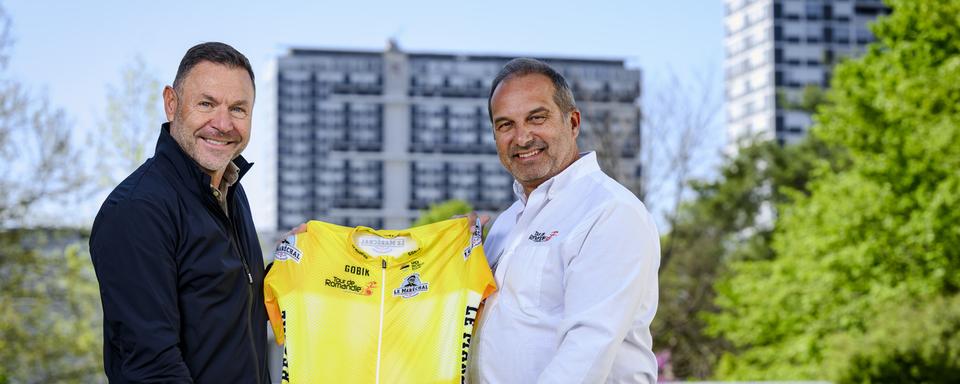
{"x":184,"y":166}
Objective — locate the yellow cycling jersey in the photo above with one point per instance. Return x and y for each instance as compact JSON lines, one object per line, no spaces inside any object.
{"x":358,"y":305}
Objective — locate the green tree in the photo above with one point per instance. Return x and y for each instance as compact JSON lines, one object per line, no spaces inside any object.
{"x":730,"y":218}
{"x":49,"y":311}
{"x":49,"y":306}
{"x":912,"y":343}
{"x":134,"y":110}
{"x":442,"y":211}
{"x":880,"y":231}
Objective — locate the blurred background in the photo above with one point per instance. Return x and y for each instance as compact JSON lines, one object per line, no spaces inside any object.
{"x":800,"y":157}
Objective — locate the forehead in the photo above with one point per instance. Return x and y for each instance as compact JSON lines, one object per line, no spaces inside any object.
{"x":209,"y":77}
{"x":522,"y":93}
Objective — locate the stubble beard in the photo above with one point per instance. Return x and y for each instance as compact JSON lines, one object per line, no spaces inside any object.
{"x":188,"y":142}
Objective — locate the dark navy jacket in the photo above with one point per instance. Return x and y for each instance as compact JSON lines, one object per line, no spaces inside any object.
{"x":181,"y":283}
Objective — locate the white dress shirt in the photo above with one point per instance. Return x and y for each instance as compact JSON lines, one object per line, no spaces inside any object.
{"x":576,"y":265}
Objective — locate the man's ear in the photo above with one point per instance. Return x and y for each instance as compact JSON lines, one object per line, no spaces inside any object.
{"x":169,"y":102}
{"x":575,"y":122}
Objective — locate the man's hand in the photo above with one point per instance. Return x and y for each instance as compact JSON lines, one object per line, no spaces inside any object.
{"x":472,"y":217}
{"x":299,"y":229}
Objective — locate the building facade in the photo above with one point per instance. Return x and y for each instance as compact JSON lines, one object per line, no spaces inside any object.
{"x":778,"y":49}
{"x":375,"y":137}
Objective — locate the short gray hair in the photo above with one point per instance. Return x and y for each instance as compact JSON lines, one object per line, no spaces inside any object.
{"x":562,"y":95}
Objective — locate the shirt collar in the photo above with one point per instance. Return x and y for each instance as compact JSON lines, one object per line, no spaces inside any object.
{"x":230,"y":175}
{"x":586,"y":164}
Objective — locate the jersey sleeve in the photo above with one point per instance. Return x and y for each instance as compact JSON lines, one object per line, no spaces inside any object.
{"x":273,"y":284}
{"x":273,"y":309}
{"x":481,"y":278}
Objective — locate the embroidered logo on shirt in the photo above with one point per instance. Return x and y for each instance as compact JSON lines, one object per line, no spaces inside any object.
{"x":287,"y":250}
{"x":411,"y":287}
{"x":541,"y":237}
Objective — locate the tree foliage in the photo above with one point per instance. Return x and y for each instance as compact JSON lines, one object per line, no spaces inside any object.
{"x":49,"y":305}
{"x":49,"y":311}
{"x":42,"y":162}
{"x":443,"y":211}
{"x":880,"y":232}
{"x":728,"y":219}
{"x":131,"y":122}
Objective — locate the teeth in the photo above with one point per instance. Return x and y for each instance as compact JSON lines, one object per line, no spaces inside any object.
{"x":528,"y":154}
{"x":215,"y":142}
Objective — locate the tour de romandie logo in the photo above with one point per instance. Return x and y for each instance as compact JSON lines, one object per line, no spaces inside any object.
{"x":351,"y":286}
{"x":411,"y":286}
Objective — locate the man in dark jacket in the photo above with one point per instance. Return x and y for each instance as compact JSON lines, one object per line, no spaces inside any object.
{"x":174,"y":246}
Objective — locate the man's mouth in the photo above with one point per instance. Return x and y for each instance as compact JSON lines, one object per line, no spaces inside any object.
{"x":213,"y":142}
{"x":524,"y":155}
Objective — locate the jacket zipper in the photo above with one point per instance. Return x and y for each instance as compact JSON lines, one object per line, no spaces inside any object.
{"x":383,"y":294}
{"x":246,"y":269}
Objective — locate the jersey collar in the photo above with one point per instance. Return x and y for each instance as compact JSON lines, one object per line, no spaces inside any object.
{"x":386,"y":234}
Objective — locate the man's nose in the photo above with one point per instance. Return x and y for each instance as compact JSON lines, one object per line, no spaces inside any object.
{"x":524,"y":135}
{"x":222,"y":120}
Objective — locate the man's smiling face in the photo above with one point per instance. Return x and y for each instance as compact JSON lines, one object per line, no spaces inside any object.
{"x":535,"y":139}
{"x":211,"y":113}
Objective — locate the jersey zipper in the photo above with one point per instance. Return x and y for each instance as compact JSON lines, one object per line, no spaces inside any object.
{"x":383,"y":294}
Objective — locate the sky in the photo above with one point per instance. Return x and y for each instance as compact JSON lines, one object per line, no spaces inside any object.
{"x":71,"y":51}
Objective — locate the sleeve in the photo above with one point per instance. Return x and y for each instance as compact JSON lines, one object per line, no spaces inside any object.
{"x":273,"y":306}
{"x":610,"y":289}
{"x":133,"y":248}
{"x":480,"y":278}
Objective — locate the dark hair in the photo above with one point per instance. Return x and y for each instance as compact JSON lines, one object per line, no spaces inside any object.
{"x":562,"y":95}
{"x":214,"y":52}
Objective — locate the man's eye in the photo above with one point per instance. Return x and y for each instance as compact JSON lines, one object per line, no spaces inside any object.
{"x":205,"y":105}
{"x":538,"y":119}
{"x":504,"y":126}
{"x":238,"y":112}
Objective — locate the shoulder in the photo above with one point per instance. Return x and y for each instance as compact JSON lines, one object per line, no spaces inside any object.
{"x":614,"y":202}
{"x":145,"y":193}
{"x":148,"y":182}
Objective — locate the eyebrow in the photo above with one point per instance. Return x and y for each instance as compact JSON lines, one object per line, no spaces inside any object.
{"x":538,"y":110}
{"x":532,"y":111}
{"x":211,"y":98}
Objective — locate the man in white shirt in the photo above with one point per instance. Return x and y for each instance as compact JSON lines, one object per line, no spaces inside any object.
{"x":575,"y":258}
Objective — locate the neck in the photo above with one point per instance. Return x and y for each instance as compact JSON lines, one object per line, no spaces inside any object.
{"x":528,"y":188}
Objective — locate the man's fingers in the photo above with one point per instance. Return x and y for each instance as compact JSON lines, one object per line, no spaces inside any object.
{"x":299,"y":229}
{"x":472,"y":217}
